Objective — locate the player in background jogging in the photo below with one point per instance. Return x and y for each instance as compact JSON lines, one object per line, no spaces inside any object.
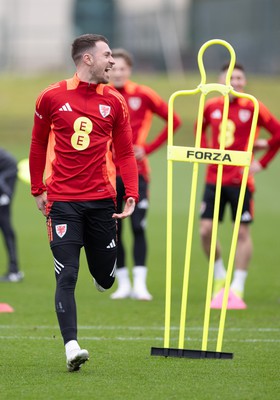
{"x":238,"y":129}
{"x":143,"y":103}
{"x":76,"y":123}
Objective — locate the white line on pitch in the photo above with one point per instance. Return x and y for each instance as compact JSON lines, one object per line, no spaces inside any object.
{"x":120,"y":338}
{"x":137,"y":328}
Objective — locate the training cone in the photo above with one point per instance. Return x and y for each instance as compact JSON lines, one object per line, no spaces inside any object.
{"x":234,"y":302}
{"x":4,"y":307}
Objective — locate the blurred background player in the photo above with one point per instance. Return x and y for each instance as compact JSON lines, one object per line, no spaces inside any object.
{"x":142,"y":103}
{"x":238,"y":129}
{"x":8,"y":178}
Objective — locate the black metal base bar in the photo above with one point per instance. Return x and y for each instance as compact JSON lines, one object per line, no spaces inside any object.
{"x":184,"y":353}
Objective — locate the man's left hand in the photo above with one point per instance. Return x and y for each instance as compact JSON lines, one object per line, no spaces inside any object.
{"x":255,"y":167}
{"x":139,"y":152}
{"x":128,"y":209}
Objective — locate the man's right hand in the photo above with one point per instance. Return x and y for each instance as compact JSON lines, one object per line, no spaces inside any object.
{"x":41,"y":202}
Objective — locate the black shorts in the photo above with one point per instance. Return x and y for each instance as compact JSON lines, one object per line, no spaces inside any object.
{"x":229,"y":195}
{"x":82,"y":223}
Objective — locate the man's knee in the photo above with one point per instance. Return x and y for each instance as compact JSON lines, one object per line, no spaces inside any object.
{"x":67,"y":277}
{"x":106,"y":282}
{"x":244,"y":232}
{"x":66,"y":265}
{"x":102,"y":266}
{"x":205,"y":229}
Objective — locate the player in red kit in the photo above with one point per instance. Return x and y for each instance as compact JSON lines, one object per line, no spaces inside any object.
{"x":76,"y":123}
{"x":142,"y":103}
{"x":237,"y":136}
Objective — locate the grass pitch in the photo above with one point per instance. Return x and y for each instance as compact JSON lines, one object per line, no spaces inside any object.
{"x":119,"y":334}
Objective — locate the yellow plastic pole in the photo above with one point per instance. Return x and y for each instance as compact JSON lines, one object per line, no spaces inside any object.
{"x":237,"y":220}
{"x":190,"y":230}
{"x":169,"y":240}
{"x":225,"y":89}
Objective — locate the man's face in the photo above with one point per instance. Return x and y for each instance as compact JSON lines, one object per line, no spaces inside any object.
{"x":100,"y":62}
{"x":120,"y":73}
{"x":237,"y":81}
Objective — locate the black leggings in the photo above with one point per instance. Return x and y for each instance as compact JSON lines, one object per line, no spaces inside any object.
{"x":9,"y":237}
{"x":66,"y":263}
{"x":73,"y":226}
{"x":138,"y":224}
{"x":7,"y":228}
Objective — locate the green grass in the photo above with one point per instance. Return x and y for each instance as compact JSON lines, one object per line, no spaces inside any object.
{"x":119,"y":334}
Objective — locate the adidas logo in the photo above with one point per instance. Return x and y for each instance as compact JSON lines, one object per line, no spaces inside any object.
{"x":66,"y":107}
{"x":246,"y":216}
{"x":111,"y":245}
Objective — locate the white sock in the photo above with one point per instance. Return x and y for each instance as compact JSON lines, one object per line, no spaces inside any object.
{"x":239,"y":279}
{"x":139,"y":276}
{"x":219,"y":269}
{"x":71,"y":345}
{"x":122,"y":275}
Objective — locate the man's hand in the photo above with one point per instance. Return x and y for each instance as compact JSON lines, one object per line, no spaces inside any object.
{"x":128,"y":209}
{"x":255,"y":167}
{"x":41,"y":202}
{"x":260,"y":144}
{"x":139,"y":152}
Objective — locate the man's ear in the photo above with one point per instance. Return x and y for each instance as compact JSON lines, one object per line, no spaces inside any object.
{"x":88,"y":59}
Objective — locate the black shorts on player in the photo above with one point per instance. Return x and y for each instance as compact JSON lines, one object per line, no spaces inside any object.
{"x":229,"y":195}
{"x":89,"y":225}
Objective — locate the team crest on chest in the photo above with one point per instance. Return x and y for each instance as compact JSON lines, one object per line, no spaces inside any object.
{"x":61,"y":230}
{"x":104,"y":110}
{"x":244,"y":115}
{"x":217,"y":114}
{"x":134,"y":103}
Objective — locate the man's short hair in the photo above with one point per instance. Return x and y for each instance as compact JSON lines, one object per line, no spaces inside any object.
{"x":122,"y":53}
{"x":83,"y":43}
{"x":236,"y":66}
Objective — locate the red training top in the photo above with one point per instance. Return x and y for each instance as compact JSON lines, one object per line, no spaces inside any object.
{"x":75,"y":124}
{"x":237,"y":135}
{"x":142,"y":103}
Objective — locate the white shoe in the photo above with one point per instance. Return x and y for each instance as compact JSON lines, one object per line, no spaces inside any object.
{"x":141,"y":294}
{"x":123,"y":292}
{"x":12,"y":277}
{"x":76,"y":358}
{"x":98,"y":287}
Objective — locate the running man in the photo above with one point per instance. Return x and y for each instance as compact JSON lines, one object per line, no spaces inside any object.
{"x":142,"y":103}
{"x":238,"y":129}
{"x":76,"y":123}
